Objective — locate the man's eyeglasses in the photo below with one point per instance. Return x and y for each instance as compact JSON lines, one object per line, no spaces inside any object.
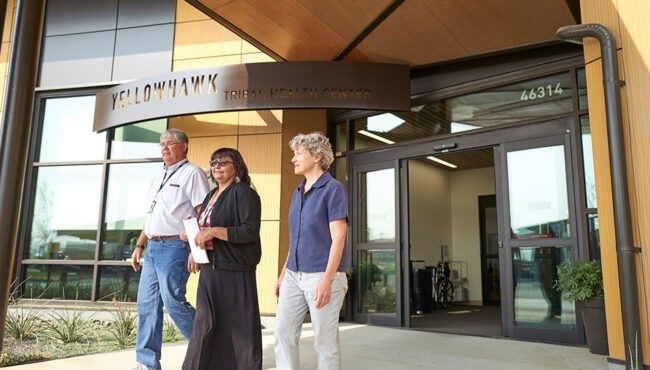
{"x":219,"y":162}
{"x":168,"y":144}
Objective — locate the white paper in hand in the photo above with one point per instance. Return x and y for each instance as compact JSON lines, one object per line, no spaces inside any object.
{"x":192,"y":228}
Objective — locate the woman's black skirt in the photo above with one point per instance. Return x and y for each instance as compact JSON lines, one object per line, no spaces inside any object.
{"x":227,"y":333}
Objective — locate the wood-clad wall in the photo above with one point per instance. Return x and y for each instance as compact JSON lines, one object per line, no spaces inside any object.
{"x":7,"y":34}
{"x":200,"y":42}
{"x":627,"y":20}
{"x":295,"y":122}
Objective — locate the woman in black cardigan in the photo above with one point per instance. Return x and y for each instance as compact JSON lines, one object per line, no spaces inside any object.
{"x":227,"y":331}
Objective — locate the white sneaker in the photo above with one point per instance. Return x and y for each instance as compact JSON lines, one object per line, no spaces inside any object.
{"x":142,"y":367}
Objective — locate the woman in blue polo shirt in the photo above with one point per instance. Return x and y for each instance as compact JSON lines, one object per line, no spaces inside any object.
{"x":313,"y":278}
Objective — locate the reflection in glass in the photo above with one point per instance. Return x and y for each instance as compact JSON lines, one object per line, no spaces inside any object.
{"x":525,"y":100}
{"x":119,"y":282}
{"x":139,"y":140}
{"x":493,"y":283}
{"x":58,"y":281}
{"x":66,"y":208}
{"x":537,"y":189}
{"x":376,"y":282}
{"x":377,"y":206}
{"x":594,"y":236}
{"x":341,"y":170}
{"x":340,"y":138}
{"x":588,"y":163}
{"x":537,"y":303}
{"x":491,"y":231}
{"x":68,"y":131}
{"x":125,"y":207}
{"x":582,"y":88}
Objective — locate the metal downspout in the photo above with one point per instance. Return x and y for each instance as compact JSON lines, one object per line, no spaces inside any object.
{"x":14,"y":133}
{"x":625,"y":249}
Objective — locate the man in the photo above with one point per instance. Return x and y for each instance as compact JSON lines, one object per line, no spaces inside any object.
{"x":174,"y":195}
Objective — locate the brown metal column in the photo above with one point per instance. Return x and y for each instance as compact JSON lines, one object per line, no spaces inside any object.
{"x":3,"y":14}
{"x":14,"y":134}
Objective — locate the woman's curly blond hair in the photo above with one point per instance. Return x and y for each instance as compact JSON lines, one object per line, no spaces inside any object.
{"x":315,"y":143}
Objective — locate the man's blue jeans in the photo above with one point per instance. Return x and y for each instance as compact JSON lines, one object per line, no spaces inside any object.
{"x":162,"y":282}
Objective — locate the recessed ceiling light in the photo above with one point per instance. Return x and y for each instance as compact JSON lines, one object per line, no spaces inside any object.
{"x":376,"y":137}
{"x":383,"y":122}
{"x":442,"y":162}
{"x":459,"y":127}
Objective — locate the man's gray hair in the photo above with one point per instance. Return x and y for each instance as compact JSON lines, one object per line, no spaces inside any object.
{"x":177,"y":134}
{"x":315,"y":143}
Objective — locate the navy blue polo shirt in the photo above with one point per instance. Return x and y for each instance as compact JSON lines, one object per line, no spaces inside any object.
{"x":309,"y":225}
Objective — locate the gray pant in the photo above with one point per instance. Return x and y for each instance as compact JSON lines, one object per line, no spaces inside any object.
{"x":296,"y":298}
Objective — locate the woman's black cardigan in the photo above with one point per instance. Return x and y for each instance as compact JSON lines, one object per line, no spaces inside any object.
{"x":239,"y":210}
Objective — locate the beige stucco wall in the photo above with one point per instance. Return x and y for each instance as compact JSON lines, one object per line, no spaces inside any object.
{"x":465,"y":230}
{"x":443,"y":209}
{"x":429,"y":210}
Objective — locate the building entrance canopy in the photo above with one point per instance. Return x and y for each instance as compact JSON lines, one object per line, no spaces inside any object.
{"x":282,"y":85}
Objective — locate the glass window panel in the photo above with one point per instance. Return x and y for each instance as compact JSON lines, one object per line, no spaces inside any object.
{"x":491,"y":231}
{"x":377,"y":206}
{"x":537,"y":303}
{"x":66,"y":209}
{"x":340,"y":138}
{"x":582,"y":89}
{"x":376,"y":282}
{"x":341,"y":170}
{"x":139,"y":140}
{"x":516,"y":102}
{"x":125,"y":207}
{"x":493,"y":283}
{"x":588,"y":163}
{"x":119,"y":282}
{"x":58,"y":281}
{"x":537,"y":188}
{"x":594,"y":236}
{"x":67,"y":131}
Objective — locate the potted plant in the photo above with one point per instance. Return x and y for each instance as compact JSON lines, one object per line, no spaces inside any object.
{"x":583,"y":283}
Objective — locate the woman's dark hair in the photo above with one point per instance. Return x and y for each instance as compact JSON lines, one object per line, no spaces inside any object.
{"x":237,"y":161}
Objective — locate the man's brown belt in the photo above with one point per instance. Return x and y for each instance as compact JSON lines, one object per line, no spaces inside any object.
{"x":164,"y":237}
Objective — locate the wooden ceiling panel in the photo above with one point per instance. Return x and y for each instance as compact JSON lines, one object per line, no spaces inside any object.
{"x":347,"y":18}
{"x":305,"y":38}
{"x":481,"y":26}
{"x":425,"y":31}
{"x":417,"y":32}
{"x":411,"y":35}
{"x":299,"y":29}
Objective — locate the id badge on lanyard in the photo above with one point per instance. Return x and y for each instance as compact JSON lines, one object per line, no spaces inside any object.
{"x":153,"y":204}
{"x":165,"y":179}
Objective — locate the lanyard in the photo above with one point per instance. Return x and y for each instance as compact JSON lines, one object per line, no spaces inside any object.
{"x":165,"y":178}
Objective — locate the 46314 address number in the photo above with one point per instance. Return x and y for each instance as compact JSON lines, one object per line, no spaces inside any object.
{"x":541,"y":92}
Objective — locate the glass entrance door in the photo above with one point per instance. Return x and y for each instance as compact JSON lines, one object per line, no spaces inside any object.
{"x":538,"y":233}
{"x":375,"y":241}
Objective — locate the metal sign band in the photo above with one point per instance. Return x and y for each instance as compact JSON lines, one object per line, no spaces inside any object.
{"x":256,"y":86}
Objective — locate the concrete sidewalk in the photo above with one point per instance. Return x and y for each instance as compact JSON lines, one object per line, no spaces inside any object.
{"x":372,"y":347}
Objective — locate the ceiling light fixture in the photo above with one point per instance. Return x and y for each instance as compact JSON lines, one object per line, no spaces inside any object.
{"x":376,"y":137}
{"x":383,"y":122}
{"x":460,"y":127}
{"x":442,"y":162}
